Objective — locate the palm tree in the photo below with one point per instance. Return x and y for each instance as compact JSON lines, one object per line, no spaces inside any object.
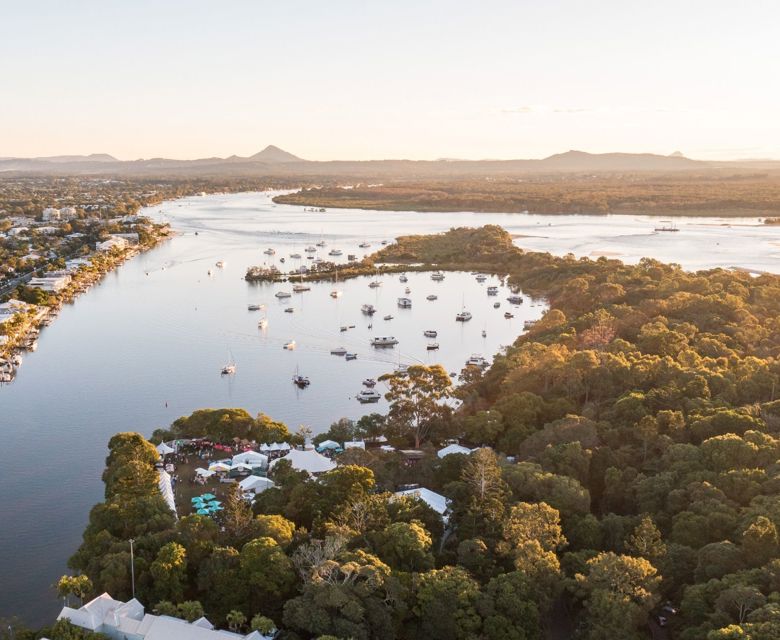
{"x":235,"y":620}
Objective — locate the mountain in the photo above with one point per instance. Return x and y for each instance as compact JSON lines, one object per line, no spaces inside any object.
{"x":92,"y":157}
{"x":274,"y":155}
{"x":583,"y":161}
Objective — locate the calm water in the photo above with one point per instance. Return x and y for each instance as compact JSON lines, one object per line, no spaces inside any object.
{"x":114,"y":359}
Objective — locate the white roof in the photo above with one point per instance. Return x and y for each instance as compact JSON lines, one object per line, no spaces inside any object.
{"x":251,"y":458}
{"x":355,"y":444}
{"x":200,"y":471}
{"x":453,"y":448}
{"x":164,"y":449}
{"x":307,"y":460}
{"x":435,"y":501}
{"x":329,"y":444}
{"x":166,"y":490}
{"x":219,"y":466}
{"x":256,"y":484}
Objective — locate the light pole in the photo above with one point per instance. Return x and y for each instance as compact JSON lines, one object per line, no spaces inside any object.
{"x":132,"y":568}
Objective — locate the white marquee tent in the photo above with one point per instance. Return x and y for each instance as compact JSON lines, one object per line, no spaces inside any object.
{"x":307,"y":460}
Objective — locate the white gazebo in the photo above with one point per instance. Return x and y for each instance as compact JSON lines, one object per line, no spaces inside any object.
{"x":307,"y":460}
{"x":163,"y":449}
{"x":250,"y":458}
{"x":453,"y":448}
{"x":256,"y":484}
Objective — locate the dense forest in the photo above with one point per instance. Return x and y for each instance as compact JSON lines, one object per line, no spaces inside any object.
{"x":625,"y":473}
{"x":710,"y":193}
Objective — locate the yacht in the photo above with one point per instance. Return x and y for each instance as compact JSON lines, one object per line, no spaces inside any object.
{"x":335,"y":293}
{"x":369,"y":382}
{"x":384,"y":241}
{"x":515,"y":299}
{"x":289,"y":310}
{"x":343,"y":328}
{"x":496,"y":305}
{"x":368,"y":309}
{"x":432,"y":346}
{"x":374,"y":284}
{"x":368,"y":395}
{"x":430,"y":333}
{"x":388,"y":317}
{"x":476,"y":360}
{"x":295,"y":256}
{"x":350,"y":356}
{"x":384,"y":341}
{"x":310,"y":249}
{"x":301,"y":381}
{"x":364,"y":245}
{"x":463,"y":316}
{"x":300,"y":288}
{"x":481,"y":277}
{"x":283,"y":294}
{"x":221,"y":264}
{"x":228,"y":369}
{"x":407,"y":291}
{"x":263,"y":324}
{"x":254,"y":307}
{"x":492,"y":291}
{"x":484,"y":333}
{"x":432,"y":297}
{"x":666,"y":225}
{"x":289,"y":345}
{"x":321,"y":243}
{"x":270,"y":252}
{"x":405,"y":303}
{"x":335,"y":252}
{"x":338,"y":351}
{"x":403,"y":278}
{"x":438,"y":276}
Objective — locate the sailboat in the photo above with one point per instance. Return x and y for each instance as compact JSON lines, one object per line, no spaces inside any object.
{"x":300,"y":381}
{"x":300,"y":287}
{"x":336,"y":292}
{"x":230,"y":368}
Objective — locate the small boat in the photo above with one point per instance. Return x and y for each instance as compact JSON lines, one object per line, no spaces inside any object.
{"x":515,"y":299}
{"x":476,"y":360}
{"x":374,"y":284}
{"x":221,"y":264}
{"x":438,"y":276}
{"x":281,"y":259}
{"x":335,"y":293}
{"x":432,"y":297}
{"x":335,"y":252}
{"x":295,"y":256}
{"x":344,"y":328}
{"x":301,"y":381}
{"x":364,"y":245}
{"x":369,"y":382}
{"x":407,"y":290}
{"x":368,"y":395}
{"x":463,"y":316}
{"x":508,"y":315}
{"x":496,"y":305}
{"x":283,"y":294}
{"x":310,"y":249}
{"x":209,"y":272}
{"x":263,"y":324}
{"x":430,"y":333}
{"x":289,"y":345}
{"x":666,"y":225}
{"x":351,"y":257}
{"x":484,"y":333}
{"x":228,"y":369}
{"x":432,"y":346}
{"x":384,"y":241}
{"x":254,"y":307}
{"x":368,"y":309}
{"x":300,"y":288}
{"x":481,"y":277}
{"x":321,"y":243}
{"x":338,"y":351}
{"x":403,"y":278}
{"x":384,"y":341}
{"x":270,"y":252}
{"x":388,"y":317}
{"x":310,"y":257}
{"x":492,"y":291}
{"x":350,"y":356}
{"x":405,"y":303}
{"x":289,"y":310}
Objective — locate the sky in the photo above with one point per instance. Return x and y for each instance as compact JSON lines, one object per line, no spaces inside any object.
{"x":341,"y":79}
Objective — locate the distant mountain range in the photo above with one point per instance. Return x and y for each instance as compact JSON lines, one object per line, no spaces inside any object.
{"x":275,"y":161}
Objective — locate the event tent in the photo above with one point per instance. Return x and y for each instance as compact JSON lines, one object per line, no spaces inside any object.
{"x":329,"y":444}
{"x":200,"y":471}
{"x":163,"y":449}
{"x":251,"y":458}
{"x":307,"y":460}
{"x":258,"y":484}
{"x":219,"y":466}
{"x":453,"y":448}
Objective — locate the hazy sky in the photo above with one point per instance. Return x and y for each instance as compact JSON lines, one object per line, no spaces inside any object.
{"x":360,"y":79}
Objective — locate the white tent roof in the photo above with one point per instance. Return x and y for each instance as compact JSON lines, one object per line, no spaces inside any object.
{"x":256,"y":484}
{"x":307,"y":460}
{"x":453,"y":448}
{"x":329,"y":444}
{"x":251,"y":458}
{"x":164,"y":449}
{"x":166,"y":489}
{"x":219,"y":466}
{"x":435,"y":501}
{"x":200,"y":471}
{"x":355,"y":444}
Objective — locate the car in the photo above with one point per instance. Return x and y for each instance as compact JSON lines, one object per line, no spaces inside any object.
{"x":662,"y":621}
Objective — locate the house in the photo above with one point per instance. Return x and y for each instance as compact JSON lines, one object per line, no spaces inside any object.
{"x":51,"y":283}
{"x":128,"y":621}
{"x":49,"y":214}
{"x":46,"y":230}
{"x":113,"y":242}
{"x":66,"y":213}
{"x":132,"y":238}
{"x":8,"y":310}
{"x":434,"y":500}
{"x":453,"y":448}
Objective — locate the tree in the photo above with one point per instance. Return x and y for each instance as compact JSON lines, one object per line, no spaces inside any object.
{"x":534,"y":522}
{"x":79,"y":586}
{"x":415,"y":399}
{"x":264,"y":625}
{"x":237,"y":518}
{"x":235,"y":620}
{"x":508,"y":608}
{"x":169,"y":571}
{"x":405,"y":546}
{"x":269,"y":572}
{"x":619,"y":593}
{"x":274,"y":526}
{"x":446,"y":605}
{"x":482,"y":510}
{"x":646,"y":541}
{"x":760,"y":541}
{"x":190,"y":610}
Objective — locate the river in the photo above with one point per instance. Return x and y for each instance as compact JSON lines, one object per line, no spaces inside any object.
{"x":146,"y":345}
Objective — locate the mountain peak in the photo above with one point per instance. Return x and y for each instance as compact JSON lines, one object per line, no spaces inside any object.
{"x":274,"y":154}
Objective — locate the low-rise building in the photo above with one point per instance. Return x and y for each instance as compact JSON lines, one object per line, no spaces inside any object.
{"x":113,"y":242}
{"x":49,"y":214}
{"x":52,"y":284}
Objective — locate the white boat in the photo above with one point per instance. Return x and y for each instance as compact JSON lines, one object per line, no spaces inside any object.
{"x":430,"y":333}
{"x":368,"y":395}
{"x":388,"y":317}
{"x":432,"y":297}
{"x":496,"y":305}
{"x":335,"y":293}
{"x":310,"y":249}
{"x":289,"y":310}
{"x":338,"y":351}
{"x":254,"y":307}
{"x":300,"y":288}
{"x":463,"y":316}
{"x":515,"y":299}
{"x":369,"y":382}
{"x":405,"y":303}
{"x":321,"y":243}
{"x":432,"y":346}
{"x":283,"y":294}
{"x":384,"y":341}
{"x":350,"y":356}
{"x":403,"y":278}
{"x":221,"y":264}
{"x":484,"y":333}
{"x":270,"y":252}
{"x":289,"y":345}
{"x":295,"y":256}
{"x":481,"y":277}
{"x":300,"y":381}
{"x":476,"y":360}
{"x":368,"y":309}
{"x":374,"y":284}
{"x":438,"y":276}
{"x":228,"y":369}
{"x":263,"y":324}
{"x":407,"y":290}
{"x":492,"y":291}
{"x":335,"y":252}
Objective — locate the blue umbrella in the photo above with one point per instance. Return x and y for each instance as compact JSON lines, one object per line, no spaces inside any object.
{"x":196,"y":499}
{"x":208,"y":496}
{"x":202,"y":512}
{"x":214,"y":503}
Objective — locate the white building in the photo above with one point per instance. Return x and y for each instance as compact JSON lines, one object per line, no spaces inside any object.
{"x":52,"y":283}
{"x":68,"y":212}
{"x":434,"y":500}
{"x":49,"y":214}
{"x":113,"y":242}
{"x":128,"y":621}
